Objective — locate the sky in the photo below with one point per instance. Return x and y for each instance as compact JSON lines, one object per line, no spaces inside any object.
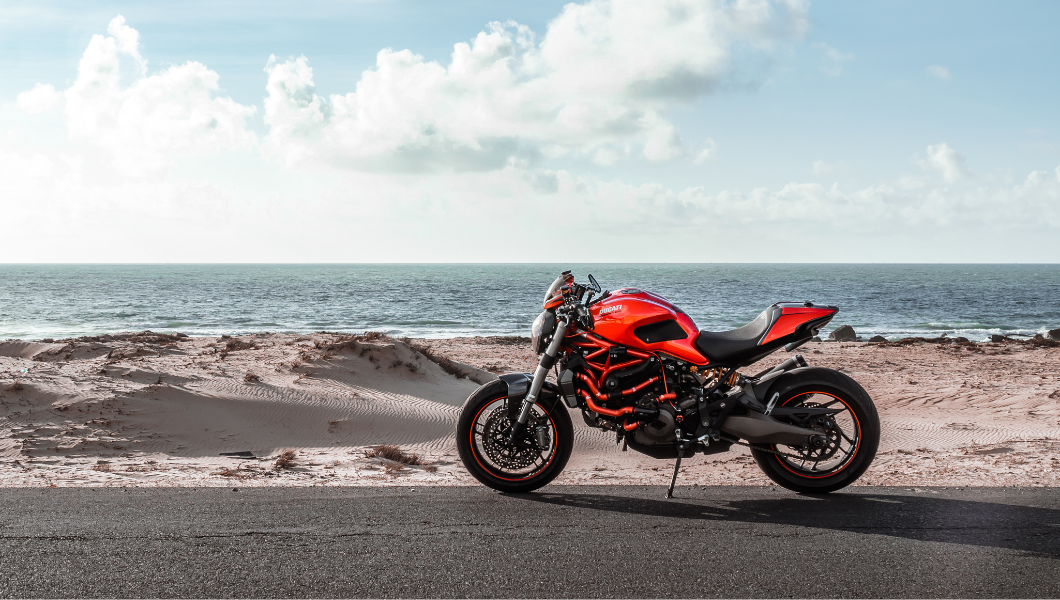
{"x":599,"y":131}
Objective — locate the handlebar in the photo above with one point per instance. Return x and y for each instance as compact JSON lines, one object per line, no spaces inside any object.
{"x":575,"y":302}
{"x":573,"y":295}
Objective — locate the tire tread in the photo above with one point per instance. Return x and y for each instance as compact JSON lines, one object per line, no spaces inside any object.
{"x":869,"y":440}
{"x":564,"y":442}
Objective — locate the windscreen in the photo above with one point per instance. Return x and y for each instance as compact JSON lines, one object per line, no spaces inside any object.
{"x":558,"y":283}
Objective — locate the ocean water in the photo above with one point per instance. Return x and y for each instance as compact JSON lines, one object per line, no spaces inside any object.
{"x":56,"y":301}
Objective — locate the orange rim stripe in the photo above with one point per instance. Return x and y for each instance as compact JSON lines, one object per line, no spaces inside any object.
{"x":856,"y":447}
{"x":474,"y":449}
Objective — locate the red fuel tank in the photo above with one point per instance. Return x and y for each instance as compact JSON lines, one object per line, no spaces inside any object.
{"x":637,"y":319}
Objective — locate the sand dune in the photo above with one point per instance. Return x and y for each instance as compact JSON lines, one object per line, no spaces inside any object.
{"x":161,"y":409}
{"x":147,"y":409}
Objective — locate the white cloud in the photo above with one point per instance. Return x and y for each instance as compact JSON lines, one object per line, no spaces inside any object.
{"x":286,"y":215}
{"x":821,"y":167}
{"x":946,"y":161}
{"x":142,"y":123}
{"x":834,"y":59}
{"x":504,"y":102}
{"x":41,"y":99}
{"x":24,"y":169}
{"x":127,"y":41}
{"x":707,"y":153}
{"x":597,"y":85}
{"x":880,"y":209}
{"x":939,"y":72}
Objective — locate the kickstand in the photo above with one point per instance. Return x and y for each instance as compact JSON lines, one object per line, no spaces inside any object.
{"x":677,"y":466}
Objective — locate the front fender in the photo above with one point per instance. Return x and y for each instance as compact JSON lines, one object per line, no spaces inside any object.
{"x":519,"y":384}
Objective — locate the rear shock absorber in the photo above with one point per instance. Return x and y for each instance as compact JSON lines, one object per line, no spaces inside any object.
{"x":713,"y":376}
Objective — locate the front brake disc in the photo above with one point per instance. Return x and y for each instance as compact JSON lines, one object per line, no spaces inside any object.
{"x":510,"y":457}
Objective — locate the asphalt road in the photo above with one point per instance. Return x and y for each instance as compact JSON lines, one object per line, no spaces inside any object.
{"x":563,"y":542}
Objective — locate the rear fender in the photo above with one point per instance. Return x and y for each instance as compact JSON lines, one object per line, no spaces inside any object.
{"x":764,"y":393}
{"x":519,"y":384}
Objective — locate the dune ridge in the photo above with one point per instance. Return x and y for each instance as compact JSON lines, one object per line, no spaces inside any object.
{"x":147,"y":408}
{"x":160,"y":409}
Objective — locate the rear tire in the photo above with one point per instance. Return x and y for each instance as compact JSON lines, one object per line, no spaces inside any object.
{"x":855,"y":433}
{"x":524,"y":468}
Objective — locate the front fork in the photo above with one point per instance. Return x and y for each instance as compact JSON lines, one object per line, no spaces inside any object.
{"x":548,"y":359}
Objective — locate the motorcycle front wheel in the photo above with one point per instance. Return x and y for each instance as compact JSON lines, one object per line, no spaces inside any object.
{"x":536,"y":457}
{"x":851,"y":436}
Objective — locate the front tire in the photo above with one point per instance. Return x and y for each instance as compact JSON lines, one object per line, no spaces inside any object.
{"x":481,"y":440}
{"x":853,"y":435}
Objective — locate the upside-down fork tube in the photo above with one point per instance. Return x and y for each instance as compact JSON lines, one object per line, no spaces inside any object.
{"x":548,"y":359}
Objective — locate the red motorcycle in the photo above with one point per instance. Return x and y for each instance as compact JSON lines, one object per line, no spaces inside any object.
{"x":636,"y":365}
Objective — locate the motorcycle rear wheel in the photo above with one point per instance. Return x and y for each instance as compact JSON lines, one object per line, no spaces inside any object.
{"x":853,"y":435}
{"x":481,"y":441}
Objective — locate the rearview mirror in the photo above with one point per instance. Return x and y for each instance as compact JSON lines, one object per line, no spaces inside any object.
{"x":592,"y":282}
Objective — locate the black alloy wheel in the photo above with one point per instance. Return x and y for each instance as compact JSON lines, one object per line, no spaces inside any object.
{"x":535,"y":458}
{"x":847,"y":442}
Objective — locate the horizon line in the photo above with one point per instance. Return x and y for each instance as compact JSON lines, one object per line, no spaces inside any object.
{"x":177,"y":263}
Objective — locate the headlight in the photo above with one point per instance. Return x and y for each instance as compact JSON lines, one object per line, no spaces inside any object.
{"x":543,"y":327}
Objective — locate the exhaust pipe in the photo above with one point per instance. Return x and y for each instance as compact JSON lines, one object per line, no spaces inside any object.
{"x":757,"y":428}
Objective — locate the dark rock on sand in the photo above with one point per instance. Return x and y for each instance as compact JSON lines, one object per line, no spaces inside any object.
{"x":1054,"y":334}
{"x":1041,"y":340}
{"x":877,"y":338}
{"x":997,"y":339}
{"x":843,"y":333}
{"x":815,"y":338}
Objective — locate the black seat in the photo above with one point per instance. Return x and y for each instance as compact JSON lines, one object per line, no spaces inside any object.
{"x":740,"y":344}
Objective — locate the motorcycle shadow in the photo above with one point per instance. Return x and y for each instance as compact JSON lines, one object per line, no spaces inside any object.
{"x":928,"y":517}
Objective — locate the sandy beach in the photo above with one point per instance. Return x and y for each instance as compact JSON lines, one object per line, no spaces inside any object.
{"x":159,"y":410}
